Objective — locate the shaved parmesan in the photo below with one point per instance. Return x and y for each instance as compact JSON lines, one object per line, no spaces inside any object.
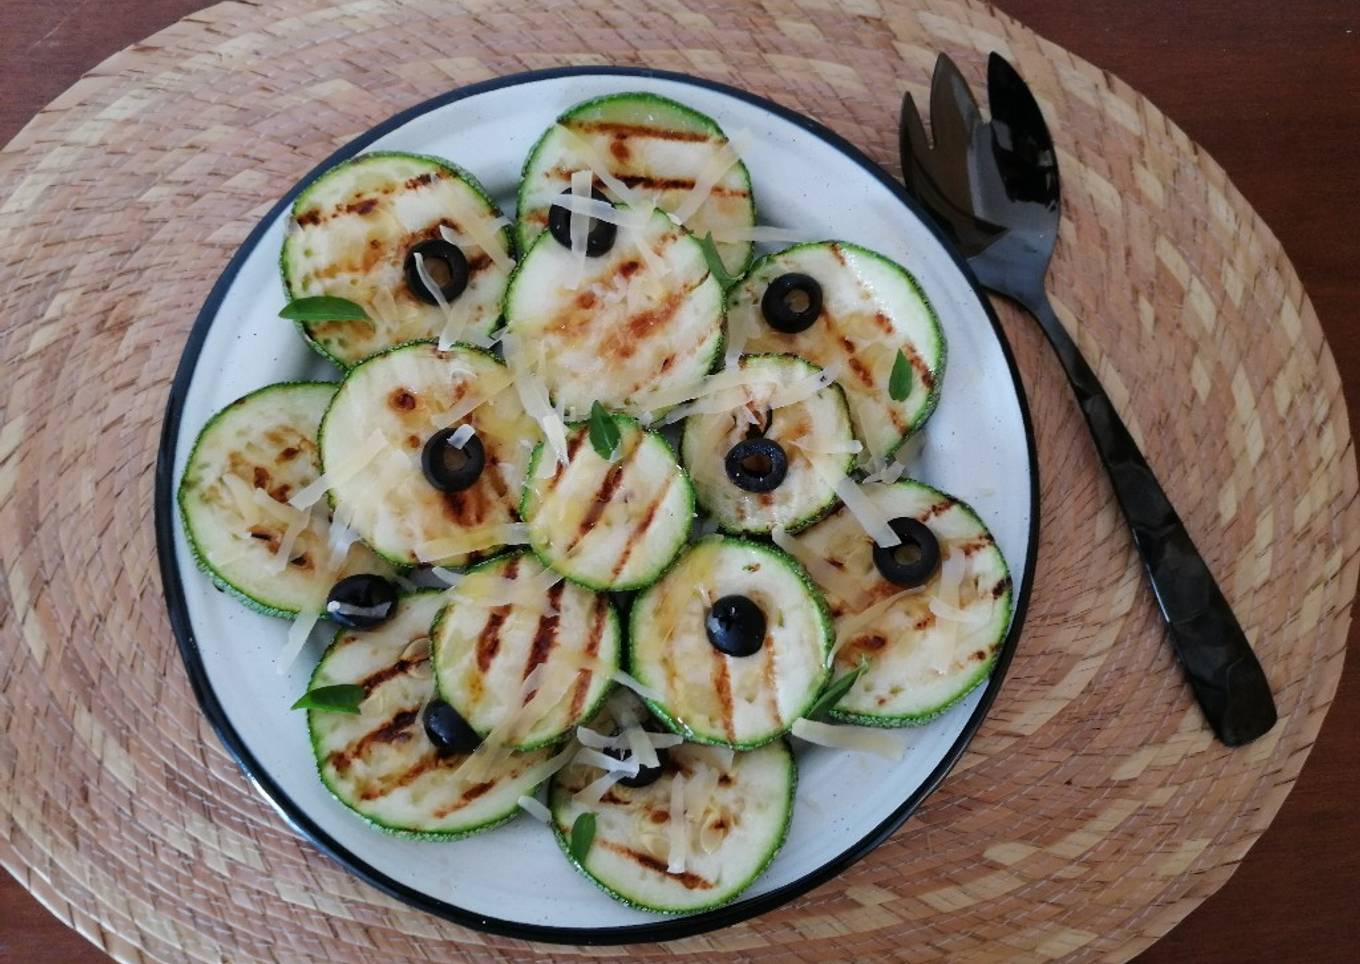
{"x":533,"y":395}
{"x":848,"y":626}
{"x":535,"y":809}
{"x":603,"y":761}
{"x":447,"y":576}
{"x":338,"y":541}
{"x":594,"y":739}
{"x":827,"y":576}
{"x":678,"y":828}
{"x":297,"y":638}
{"x":953,"y":572}
{"x":886,"y":474}
{"x":488,"y":387}
{"x":461,"y":435}
{"x":873,"y":519}
{"x":722,"y":756}
{"x":643,"y":753}
{"x":637,"y":686}
{"x":974,"y":617}
{"x":594,"y":792}
{"x":541,"y":771}
{"x":340,"y":472}
{"x":481,"y":234}
{"x":860,"y":739}
{"x":589,"y":207}
{"x":579,"y":227}
{"x":279,"y":561}
{"x":726,"y":157}
{"x":505,"y":534}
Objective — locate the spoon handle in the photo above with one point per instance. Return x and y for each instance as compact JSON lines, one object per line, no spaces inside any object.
{"x":1223,"y":671}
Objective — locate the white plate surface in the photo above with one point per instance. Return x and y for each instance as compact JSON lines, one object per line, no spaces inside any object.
{"x":974,"y":446}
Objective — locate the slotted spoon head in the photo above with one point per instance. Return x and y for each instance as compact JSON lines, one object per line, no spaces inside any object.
{"x":992,"y":185}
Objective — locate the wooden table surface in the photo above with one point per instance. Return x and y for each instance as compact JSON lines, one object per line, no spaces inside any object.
{"x":1272,"y":91}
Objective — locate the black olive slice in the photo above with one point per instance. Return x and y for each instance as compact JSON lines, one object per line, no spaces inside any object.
{"x":451,"y":468}
{"x":448,"y":731}
{"x":792,"y":303}
{"x":757,"y":464}
{"x":599,"y":234}
{"x":361,"y":601}
{"x":912,"y":563}
{"x":735,"y":626}
{"x":446,"y":265}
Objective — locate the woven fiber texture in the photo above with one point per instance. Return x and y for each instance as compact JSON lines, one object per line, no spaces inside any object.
{"x":1093,"y":811}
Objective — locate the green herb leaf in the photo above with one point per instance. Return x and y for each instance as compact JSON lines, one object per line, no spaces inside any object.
{"x":323,"y":308}
{"x":341,"y":698}
{"x":582,"y":836}
{"x":899,"y":382}
{"x":604,"y":434}
{"x":715,"y":264}
{"x":838,"y":688}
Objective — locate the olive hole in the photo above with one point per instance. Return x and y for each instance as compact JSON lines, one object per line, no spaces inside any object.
{"x":439,"y":271}
{"x":455,"y":458}
{"x":757,"y":464}
{"x":797,"y":301}
{"x":908,"y":554}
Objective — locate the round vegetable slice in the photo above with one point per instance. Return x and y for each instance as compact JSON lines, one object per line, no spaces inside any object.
{"x":375,"y":433}
{"x":785,"y":403}
{"x":628,"y":328}
{"x":927,"y":647}
{"x":658,"y":149}
{"x":522,"y":655}
{"x":871,"y":308}
{"x":732,"y":818}
{"x":710,"y":697}
{"x":352,"y":235}
{"x":380,"y":763}
{"x":248,"y":461}
{"x":609,"y":524}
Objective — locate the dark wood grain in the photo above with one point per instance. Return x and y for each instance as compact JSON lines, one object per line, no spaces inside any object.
{"x":1270,"y":90}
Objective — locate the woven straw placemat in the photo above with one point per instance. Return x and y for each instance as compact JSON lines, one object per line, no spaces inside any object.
{"x":1092,"y":812}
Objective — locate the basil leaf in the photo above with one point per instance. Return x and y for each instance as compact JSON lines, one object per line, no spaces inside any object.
{"x":582,"y":836}
{"x":899,"y":382}
{"x":341,"y":698}
{"x":715,"y":264}
{"x":604,"y":434}
{"x":833,"y":693}
{"x":323,"y":308}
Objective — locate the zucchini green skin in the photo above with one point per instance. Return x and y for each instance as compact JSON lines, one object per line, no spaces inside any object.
{"x":988,"y":642}
{"x":304,"y":198}
{"x":822,"y":617}
{"x":563,"y":837}
{"x":736,"y":258}
{"x":613,"y":628}
{"x":258,"y":601}
{"x":706,"y":493}
{"x":528,"y":509}
{"x":399,"y":561}
{"x":744,"y":300}
{"x":395,"y":830}
{"x":541,"y":323}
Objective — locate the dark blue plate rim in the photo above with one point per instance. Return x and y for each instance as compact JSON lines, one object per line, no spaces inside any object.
{"x":662,"y":930}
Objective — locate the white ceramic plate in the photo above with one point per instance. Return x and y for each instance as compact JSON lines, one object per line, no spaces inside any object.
{"x":514,"y":880}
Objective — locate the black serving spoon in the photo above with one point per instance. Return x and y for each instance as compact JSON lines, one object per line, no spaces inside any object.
{"x":993,"y":188}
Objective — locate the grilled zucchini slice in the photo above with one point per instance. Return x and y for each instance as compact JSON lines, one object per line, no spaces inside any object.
{"x":736,"y":812}
{"x":928,"y":648}
{"x":350,"y":235}
{"x":627,"y":330}
{"x":380,"y":763}
{"x":248,"y":460}
{"x":871,"y":309}
{"x":707,"y":695}
{"x":504,"y":620}
{"x":375,"y":431}
{"x":812,"y":435}
{"x":610,"y":524}
{"x":656,"y":147}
